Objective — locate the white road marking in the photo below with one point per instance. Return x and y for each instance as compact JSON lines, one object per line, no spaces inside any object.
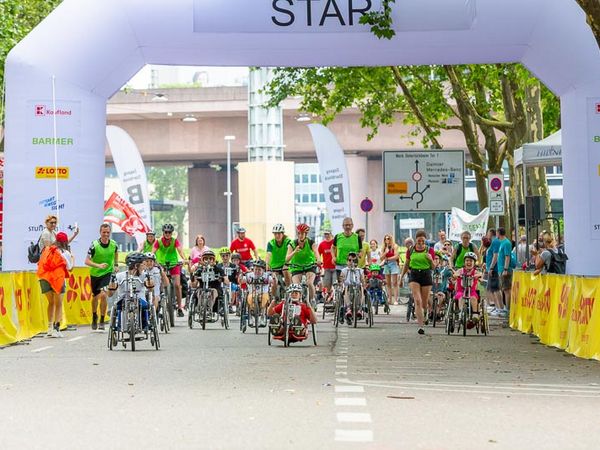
{"x":341,"y":372}
{"x":353,"y":435}
{"x":351,"y":417}
{"x":349,"y":389}
{"x":41,"y":349}
{"x":78,"y":338}
{"x":341,"y":366}
{"x":350,"y":401}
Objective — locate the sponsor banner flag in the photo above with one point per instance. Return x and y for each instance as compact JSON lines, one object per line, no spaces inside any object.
{"x":541,"y":313}
{"x":1,"y":195}
{"x":125,"y":216}
{"x":77,"y":301}
{"x":8,"y":327}
{"x":461,"y":221}
{"x":584,"y":326}
{"x":334,"y":173}
{"x":561,"y":300}
{"x":131,"y":170}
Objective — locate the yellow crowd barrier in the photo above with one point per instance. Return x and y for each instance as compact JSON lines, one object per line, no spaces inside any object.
{"x":24,"y":309}
{"x":559,"y":309}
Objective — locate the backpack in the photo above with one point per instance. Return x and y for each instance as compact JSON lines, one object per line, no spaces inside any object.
{"x":513,"y":260}
{"x":34,"y":252}
{"x":558,"y":262}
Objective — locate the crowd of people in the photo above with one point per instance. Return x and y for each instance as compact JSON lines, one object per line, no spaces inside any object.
{"x":429,"y":269}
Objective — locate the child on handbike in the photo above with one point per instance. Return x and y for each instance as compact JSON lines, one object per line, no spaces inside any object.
{"x":374,"y":286}
{"x":441,"y":277}
{"x":466,"y":286}
{"x":135,"y":266}
{"x":303,"y":315}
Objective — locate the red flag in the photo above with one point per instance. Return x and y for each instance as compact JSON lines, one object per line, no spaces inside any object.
{"x":121,"y":213}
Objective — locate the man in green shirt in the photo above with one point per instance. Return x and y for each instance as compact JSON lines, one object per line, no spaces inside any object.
{"x":344,"y":243}
{"x":103,"y":258}
{"x":277,"y":249}
{"x":148,"y":244}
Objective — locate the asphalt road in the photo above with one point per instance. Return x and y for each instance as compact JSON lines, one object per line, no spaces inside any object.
{"x":384,"y":387}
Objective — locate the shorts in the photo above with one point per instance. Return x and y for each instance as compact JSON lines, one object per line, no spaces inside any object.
{"x":493,"y":282}
{"x":235,"y":287}
{"x":329,"y":275}
{"x":391,"y":268}
{"x":248,"y":263}
{"x":175,"y":270}
{"x":311,"y":269}
{"x":506,"y":281}
{"x":45,"y":286}
{"x":99,"y":282}
{"x":421,"y":277}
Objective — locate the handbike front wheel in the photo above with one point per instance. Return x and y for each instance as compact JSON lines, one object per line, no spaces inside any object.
{"x":314,"y":333}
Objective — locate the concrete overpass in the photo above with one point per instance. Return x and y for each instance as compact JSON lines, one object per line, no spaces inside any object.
{"x":154,"y":119}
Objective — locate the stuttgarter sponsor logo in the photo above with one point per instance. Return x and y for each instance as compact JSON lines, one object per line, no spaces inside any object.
{"x":50,"y":203}
{"x":43,"y":110}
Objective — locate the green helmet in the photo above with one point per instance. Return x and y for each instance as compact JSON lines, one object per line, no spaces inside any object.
{"x":374,"y":267}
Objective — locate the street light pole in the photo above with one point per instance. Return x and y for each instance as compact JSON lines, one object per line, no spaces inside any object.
{"x":228,"y":193}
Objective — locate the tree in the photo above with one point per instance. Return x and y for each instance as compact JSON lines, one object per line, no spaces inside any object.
{"x":170,"y":184}
{"x":592,"y":11}
{"x":496,"y":107}
{"x":17,"y":19}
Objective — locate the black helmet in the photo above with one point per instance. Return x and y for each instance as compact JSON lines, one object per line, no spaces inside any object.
{"x":236,"y":255}
{"x":134,"y":259}
{"x":167,"y":227}
{"x":260,"y":263}
{"x":208,"y":253}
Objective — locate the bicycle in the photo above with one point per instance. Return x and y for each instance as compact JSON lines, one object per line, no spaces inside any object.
{"x":201,"y":299}
{"x":170,"y":292}
{"x":354,"y":291}
{"x":161,"y":312}
{"x":338,"y":301}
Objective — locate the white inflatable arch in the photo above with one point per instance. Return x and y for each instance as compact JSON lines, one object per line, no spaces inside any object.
{"x":59,"y":78}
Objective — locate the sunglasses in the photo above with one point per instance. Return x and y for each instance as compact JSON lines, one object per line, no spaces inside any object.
{"x":168,"y":232}
{"x":52,"y":223}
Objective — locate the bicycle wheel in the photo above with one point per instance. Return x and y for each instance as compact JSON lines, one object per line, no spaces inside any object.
{"x":225,"y":301}
{"x":386,"y":303}
{"x":465,"y":314}
{"x":112,"y":334}
{"x":243,"y":315}
{"x":369,"y":311}
{"x":256,"y":313}
{"x":409,"y":309}
{"x":434,"y":310}
{"x":154,"y":328}
{"x":450,"y":318}
{"x":192,"y":311}
{"x":170,"y":305}
{"x":336,"y":311}
{"x":354,"y":310}
{"x":286,"y":333}
{"x":314,"y":333}
{"x":132,"y":334}
{"x":375,"y":304}
{"x":204,"y":306}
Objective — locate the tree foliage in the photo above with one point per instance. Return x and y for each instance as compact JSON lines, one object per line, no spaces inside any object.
{"x":170,"y":183}
{"x":592,"y":12}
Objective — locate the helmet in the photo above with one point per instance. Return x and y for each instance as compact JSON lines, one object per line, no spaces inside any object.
{"x":150,"y":255}
{"x":471,"y":255}
{"x":208,"y":253}
{"x":439,"y":254}
{"x":445,"y":258}
{"x":260,"y":263}
{"x":241,"y":230}
{"x":133,"y":259}
{"x":278,"y":228}
{"x":374,"y":267}
{"x":224,"y":251}
{"x":302,"y":228}
{"x":167,"y":227}
{"x":352,"y":254}
{"x":295,"y":287}
{"x":150,"y":232}
{"x":236,"y":255}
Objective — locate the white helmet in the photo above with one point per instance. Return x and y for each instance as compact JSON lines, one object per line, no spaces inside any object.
{"x":278,"y":228}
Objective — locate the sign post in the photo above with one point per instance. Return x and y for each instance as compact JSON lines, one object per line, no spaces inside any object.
{"x":366,"y":206}
{"x":496,"y":194}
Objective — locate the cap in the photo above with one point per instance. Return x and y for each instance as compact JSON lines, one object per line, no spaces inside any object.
{"x":62,"y":237}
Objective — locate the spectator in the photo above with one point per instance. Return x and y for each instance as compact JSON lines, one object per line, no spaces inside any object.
{"x":245,"y":247}
{"x":53,"y":268}
{"x":374,"y":256}
{"x":198,"y":249}
{"x":543,"y":258}
{"x":390,"y":256}
{"x":522,"y":251}
{"x":439,"y":245}
{"x":365,"y":250}
{"x":345,"y":243}
{"x":504,"y":269}
{"x":48,"y":236}
{"x":326,"y":256}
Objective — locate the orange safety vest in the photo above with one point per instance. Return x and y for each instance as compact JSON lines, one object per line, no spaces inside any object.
{"x":52,"y":267}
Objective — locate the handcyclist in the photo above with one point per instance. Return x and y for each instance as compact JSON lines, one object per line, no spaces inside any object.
{"x":135,"y":263}
{"x":468,"y":270}
{"x":168,"y":251}
{"x":344,"y":243}
{"x":353,"y":276}
{"x":261,"y":282}
{"x":441,"y":278}
{"x":277,"y":249}
{"x":245,"y":247}
{"x":231,"y":272}
{"x":302,"y":256}
{"x":374,"y":285}
{"x":102,"y":257}
{"x":157,"y":276}
{"x":240,"y":284}
{"x":419,"y":261}
{"x":461,"y":250}
{"x":300,"y":321}
{"x":148,"y":244}
{"x":217,"y":276}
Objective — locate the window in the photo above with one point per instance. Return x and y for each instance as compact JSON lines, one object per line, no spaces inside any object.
{"x":298,"y":198}
{"x":305,"y":178}
{"x":322,"y":198}
{"x":297,"y":179}
{"x":313,"y":178}
{"x":313,"y":198}
{"x":550,"y":170}
{"x":304,"y":198}
{"x":320,"y":179}
{"x":469,"y":173}
{"x":558,"y":169}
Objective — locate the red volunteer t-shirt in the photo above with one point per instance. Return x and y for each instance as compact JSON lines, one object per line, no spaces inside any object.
{"x":243,"y":248}
{"x":325,"y":252}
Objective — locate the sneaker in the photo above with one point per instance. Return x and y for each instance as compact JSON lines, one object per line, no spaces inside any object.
{"x":180,"y":312}
{"x":55,"y":333}
{"x":491,"y":308}
{"x":215,"y":317}
{"x":94,"y":322}
{"x":421,"y":331}
{"x":349,"y":320}
{"x":59,"y":334}
{"x":101,"y":326}
{"x":504,"y":312}
{"x":50,"y":328}
{"x":251,"y":321}
{"x":496,"y":313}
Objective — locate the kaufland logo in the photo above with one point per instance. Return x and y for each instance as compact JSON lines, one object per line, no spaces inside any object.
{"x":597,"y":108}
{"x":43,"y":110}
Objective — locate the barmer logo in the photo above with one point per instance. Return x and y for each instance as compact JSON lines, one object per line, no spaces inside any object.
{"x":62,"y":141}
{"x":43,"y":110}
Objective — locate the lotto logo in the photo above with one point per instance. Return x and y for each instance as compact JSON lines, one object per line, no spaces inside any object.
{"x":40,"y":110}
